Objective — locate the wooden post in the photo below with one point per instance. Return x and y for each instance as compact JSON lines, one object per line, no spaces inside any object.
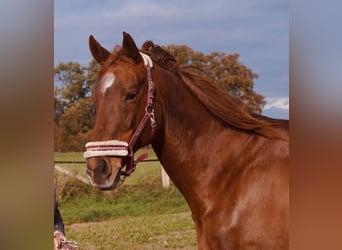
{"x":71,"y":174}
{"x":165,"y":178}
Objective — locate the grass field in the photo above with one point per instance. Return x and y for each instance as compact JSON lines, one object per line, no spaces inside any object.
{"x":139,"y":214}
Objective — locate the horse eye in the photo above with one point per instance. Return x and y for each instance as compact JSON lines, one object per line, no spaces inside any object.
{"x":131,"y":96}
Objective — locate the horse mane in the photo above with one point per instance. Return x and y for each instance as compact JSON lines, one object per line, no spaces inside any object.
{"x":227,"y":109}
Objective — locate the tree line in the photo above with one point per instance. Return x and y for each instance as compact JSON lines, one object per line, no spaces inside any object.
{"x":74,"y":114}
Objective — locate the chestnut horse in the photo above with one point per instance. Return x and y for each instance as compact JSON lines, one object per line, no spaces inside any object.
{"x":230,"y":164}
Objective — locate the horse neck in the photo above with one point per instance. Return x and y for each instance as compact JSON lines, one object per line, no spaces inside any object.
{"x":188,"y":136}
{"x":182,"y":117}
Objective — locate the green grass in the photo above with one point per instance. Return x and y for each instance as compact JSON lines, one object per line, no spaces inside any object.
{"x":138,"y":214}
{"x":81,"y":203}
{"x":70,"y":156}
{"x":171,"y":231}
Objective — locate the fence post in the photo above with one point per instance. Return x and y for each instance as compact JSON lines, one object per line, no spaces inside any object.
{"x":165,"y":178}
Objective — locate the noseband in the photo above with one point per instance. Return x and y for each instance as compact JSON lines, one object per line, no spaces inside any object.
{"x":121,"y":148}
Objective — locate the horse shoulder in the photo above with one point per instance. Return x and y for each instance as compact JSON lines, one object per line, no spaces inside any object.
{"x":253,"y":209}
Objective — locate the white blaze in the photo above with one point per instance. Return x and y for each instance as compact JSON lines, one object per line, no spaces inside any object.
{"x":108,"y":80}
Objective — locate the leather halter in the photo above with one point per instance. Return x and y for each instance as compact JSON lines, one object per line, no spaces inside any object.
{"x":121,"y":148}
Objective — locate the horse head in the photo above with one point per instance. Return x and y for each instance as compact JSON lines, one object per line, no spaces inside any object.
{"x":122,"y":112}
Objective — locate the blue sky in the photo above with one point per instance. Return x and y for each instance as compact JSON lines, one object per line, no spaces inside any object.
{"x":258,"y":30}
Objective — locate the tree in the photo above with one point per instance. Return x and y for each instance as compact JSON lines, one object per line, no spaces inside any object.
{"x":225,"y":69}
{"x":74,"y":114}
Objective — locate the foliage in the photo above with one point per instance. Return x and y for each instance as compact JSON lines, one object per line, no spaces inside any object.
{"x":74,"y":115}
{"x":225,"y":69}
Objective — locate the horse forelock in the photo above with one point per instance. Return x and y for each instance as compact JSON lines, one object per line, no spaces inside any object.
{"x":159,"y":55}
{"x":114,"y":55}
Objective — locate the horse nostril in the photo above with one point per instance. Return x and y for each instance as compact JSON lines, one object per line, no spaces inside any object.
{"x":104,"y":168}
{"x":98,"y":169}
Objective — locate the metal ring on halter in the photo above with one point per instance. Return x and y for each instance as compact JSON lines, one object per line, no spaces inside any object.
{"x":149,"y":109}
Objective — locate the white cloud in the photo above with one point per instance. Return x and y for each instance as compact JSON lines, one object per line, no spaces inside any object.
{"x":278,"y":103}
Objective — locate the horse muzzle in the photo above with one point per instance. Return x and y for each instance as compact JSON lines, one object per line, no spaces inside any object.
{"x":104,"y":172}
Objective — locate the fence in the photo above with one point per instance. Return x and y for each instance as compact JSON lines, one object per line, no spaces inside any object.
{"x":165,"y":178}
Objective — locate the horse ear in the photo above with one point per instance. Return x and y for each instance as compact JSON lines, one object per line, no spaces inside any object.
{"x":130,"y":49}
{"x":99,"y":53}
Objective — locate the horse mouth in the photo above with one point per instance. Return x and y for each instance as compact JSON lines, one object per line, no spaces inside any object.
{"x":108,"y":185}
{"x":108,"y":182}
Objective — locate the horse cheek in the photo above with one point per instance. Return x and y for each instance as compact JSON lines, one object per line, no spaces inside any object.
{"x":129,"y":119}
